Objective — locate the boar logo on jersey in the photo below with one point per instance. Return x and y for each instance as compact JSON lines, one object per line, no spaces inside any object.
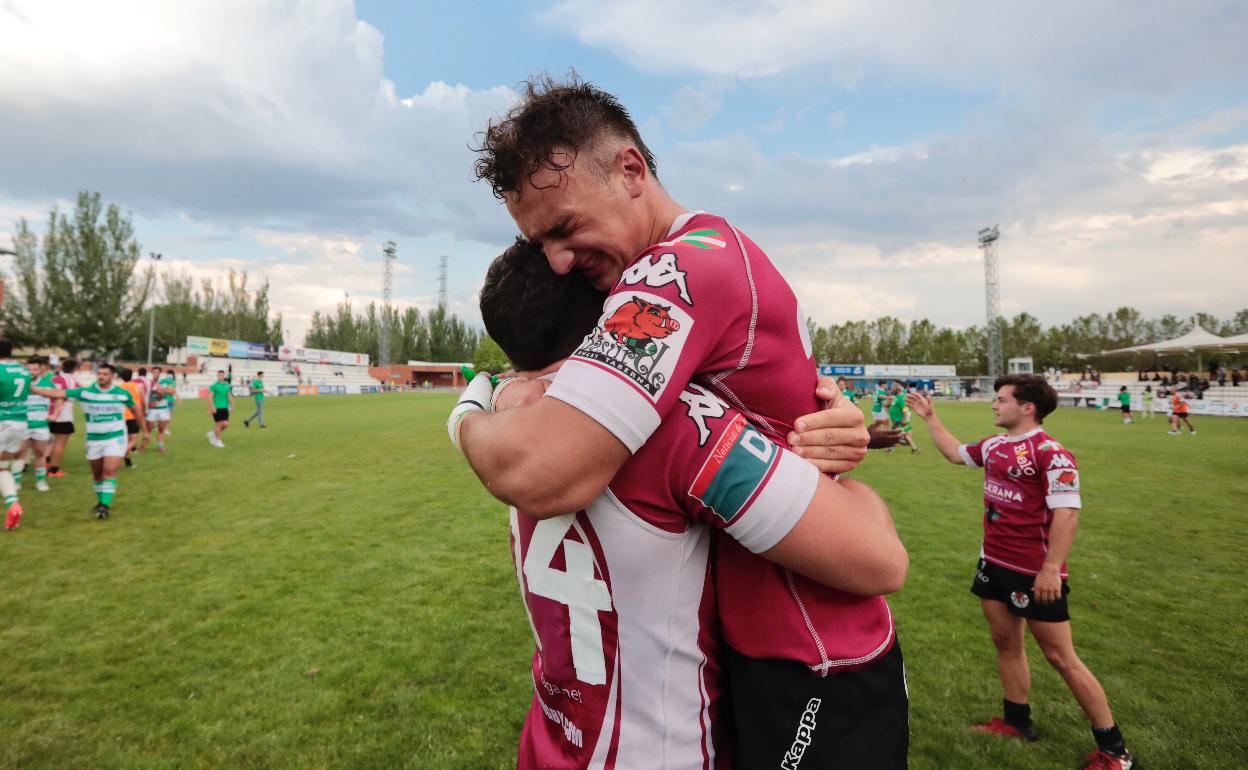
{"x":640,"y":338}
{"x":1063,"y":481}
{"x":637,"y":323}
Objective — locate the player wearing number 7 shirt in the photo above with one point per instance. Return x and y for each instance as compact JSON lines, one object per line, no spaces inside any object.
{"x":691,"y":299}
{"x":1031,"y":508}
{"x":619,"y":595}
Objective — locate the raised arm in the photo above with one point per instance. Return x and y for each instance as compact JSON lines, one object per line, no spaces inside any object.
{"x":945,"y":441}
{"x":547,"y":459}
{"x":845,"y":540}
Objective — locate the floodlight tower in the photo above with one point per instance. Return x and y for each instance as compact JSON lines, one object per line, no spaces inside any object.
{"x":992,"y":297}
{"x":387,"y":291}
{"x":442,"y":281}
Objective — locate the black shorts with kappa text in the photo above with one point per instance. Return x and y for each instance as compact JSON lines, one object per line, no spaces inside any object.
{"x":784,"y":716}
{"x":132,"y":427}
{"x":1013,"y":589}
{"x":65,"y":428}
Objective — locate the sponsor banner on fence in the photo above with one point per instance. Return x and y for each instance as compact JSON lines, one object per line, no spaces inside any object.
{"x":287,"y":390}
{"x":197,"y":346}
{"x":924,"y":371}
{"x":238,"y":349}
{"x":308,"y":390}
{"x":218,"y":347}
{"x":255,"y":351}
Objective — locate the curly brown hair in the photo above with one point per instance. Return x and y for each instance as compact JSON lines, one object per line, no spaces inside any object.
{"x":569,"y":115}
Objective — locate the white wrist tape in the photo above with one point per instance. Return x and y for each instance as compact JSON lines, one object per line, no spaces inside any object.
{"x":477,"y":397}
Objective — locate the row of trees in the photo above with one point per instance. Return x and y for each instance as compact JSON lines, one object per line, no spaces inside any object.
{"x":433,"y":336}
{"x":1064,"y":346}
{"x":81,"y":287}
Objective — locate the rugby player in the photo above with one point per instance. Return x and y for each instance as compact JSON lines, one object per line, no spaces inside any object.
{"x":639,"y":629}
{"x":138,"y":393}
{"x":14,"y":388}
{"x":689,"y":296}
{"x":37,"y":433}
{"x":1179,"y":409}
{"x":1124,"y":400}
{"x":879,"y":413}
{"x":169,"y":379}
{"x":157,"y":410}
{"x":257,"y":392}
{"x":104,"y":403}
{"x":61,"y":424}
{"x":900,"y":419}
{"x":219,"y":406}
{"x":1031,"y":511}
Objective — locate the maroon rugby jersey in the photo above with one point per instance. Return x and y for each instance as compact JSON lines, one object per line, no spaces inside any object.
{"x":620,"y":598}
{"x":707,"y":305}
{"x":1025,"y":478}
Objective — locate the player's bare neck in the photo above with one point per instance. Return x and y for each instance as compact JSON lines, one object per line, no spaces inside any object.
{"x":664,"y":214}
{"x":1021,"y":427}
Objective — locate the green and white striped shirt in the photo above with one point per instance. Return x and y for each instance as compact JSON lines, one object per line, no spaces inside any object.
{"x":37,"y":406}
{"x":105,"y":410}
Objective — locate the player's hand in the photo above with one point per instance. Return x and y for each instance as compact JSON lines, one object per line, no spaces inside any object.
{"x":1048,"y":586}
{"x":477,"y":397}
{"x":834,"y":440}
{"x":920,"y":404}
{"x":883,"y":437}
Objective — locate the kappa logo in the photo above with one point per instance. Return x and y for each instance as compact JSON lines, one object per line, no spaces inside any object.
{"x":656,"y":272}
{"x":702,"y":404}
{"x":1060,"y":461}
{"x":1019,"y":599}
{"x":805,"y":734}
{"x":640,"y":338}
{"x":1061,"y":481}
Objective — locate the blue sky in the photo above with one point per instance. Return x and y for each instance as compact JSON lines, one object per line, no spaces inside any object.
{"x":861,"y":143}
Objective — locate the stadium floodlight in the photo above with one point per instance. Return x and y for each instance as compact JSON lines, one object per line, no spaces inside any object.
{"x":988,"y":237}
{"x":389,"y":249}
{"x":151,"y":318}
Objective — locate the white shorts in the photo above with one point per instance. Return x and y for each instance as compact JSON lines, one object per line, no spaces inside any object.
{"x":12,"y":436}
{"x":879,"y":416}
{"x":113,"y":447}
{"x":158,"y":414}
{"x":38,"y":434}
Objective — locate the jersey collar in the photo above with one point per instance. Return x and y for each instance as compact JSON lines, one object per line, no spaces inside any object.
{"x":679,"y":223}
{"x":1023,"y":436}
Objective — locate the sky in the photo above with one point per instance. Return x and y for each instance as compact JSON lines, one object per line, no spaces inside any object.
{"x":861,"y":143}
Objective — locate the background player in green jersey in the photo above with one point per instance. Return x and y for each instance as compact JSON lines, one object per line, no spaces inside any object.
{"x":159,"y":409}
{"x":38,"y":434}
{"x":900,"y":417}
{"x":877,"y":403}
{"x":104,"y":404}
{"x":1124,"y":399}
{"x":219,"y":406}
{"x":14,"y":388}
{"x":257,"y":392}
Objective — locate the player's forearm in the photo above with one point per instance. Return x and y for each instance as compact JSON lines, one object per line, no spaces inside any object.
{"x":845,"y":540}
{"x":944,"y":440}
{"x":1061,"y":537}
{"x":528,"y":458}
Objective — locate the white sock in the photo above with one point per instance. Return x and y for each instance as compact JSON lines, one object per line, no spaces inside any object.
{"x":8,"y":487}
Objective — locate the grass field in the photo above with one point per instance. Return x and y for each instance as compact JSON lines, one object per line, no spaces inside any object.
{"x":336,"y":592}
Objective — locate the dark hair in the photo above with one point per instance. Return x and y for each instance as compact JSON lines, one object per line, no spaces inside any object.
{"x":571,"y":115}
{"x":6,"y":348}
{"x":126,"y":374}
{"x":69,"y":365}
{"x":259,"y":374}
{"x":220,"y":371}
{"x":143,"y":371}
{"x":108,"y":366}
{"x":37,"y":359}
{"x":1031,"y":389}
{"x":536,"y":316}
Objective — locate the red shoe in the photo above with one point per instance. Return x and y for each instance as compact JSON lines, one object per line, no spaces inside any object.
{"x":1099,"y":760}
{"x":998,"y":726}
{"x":56,"y":474}
{"x":14,"y":516}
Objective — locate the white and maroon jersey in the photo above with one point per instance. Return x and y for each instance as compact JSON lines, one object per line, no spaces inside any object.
{"x":1025,"y":478}
{"x":64,"y":412}
{"x":621,"y":602}
{"x":708,"y":304}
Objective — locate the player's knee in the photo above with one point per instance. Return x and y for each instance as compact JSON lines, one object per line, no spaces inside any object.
{"x":1063,"y":660}
{"x":1007,"y":642}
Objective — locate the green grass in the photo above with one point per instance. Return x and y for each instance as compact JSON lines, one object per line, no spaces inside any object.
{"x":337,"y":592}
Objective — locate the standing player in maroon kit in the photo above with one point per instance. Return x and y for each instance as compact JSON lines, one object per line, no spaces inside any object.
{"x":691,"y":300}
{"x":1031,"y":510}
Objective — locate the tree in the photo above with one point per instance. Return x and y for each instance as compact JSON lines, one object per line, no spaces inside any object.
{"x":83,"y":290}
{"x":489,"y":357}
{"x":439,"y":336}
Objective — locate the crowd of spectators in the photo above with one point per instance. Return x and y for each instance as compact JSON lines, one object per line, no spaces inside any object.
{"x":1172,"y":379}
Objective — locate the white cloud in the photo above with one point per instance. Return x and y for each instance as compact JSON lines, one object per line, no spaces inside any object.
{"x":1122,"y":46}
{"x":691,"y":107}
{"x":247,"y":112}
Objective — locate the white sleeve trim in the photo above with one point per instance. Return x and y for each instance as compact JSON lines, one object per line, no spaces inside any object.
{"x":608,"y":400}
{"x":966,"y":456}
{"x":778,"y":507}
{"x":1064,"y":500}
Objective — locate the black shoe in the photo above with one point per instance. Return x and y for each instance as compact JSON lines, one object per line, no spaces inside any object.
{"x":100,"y":511}
{"x":246,"y":424}
{"x":128,"y":463}
{"x":103,"y":512}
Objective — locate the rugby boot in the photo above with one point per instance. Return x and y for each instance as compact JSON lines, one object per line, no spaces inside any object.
{"x":1099,"y":760}
{"x":998,"y":726}
{"x":13,"y":517}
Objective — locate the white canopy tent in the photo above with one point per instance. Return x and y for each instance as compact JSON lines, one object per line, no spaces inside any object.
{"x":1238,"y":342}
{"x":1196,"y":341}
